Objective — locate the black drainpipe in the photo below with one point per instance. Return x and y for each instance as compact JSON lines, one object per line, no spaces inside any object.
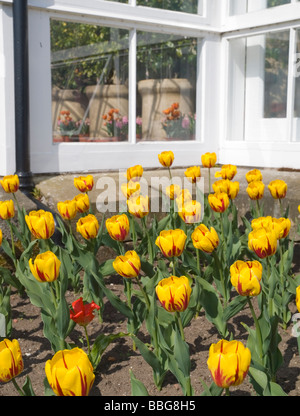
{"x":21,"y":70}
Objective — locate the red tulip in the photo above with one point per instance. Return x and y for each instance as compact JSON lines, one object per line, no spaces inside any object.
{"x":82,"y":313}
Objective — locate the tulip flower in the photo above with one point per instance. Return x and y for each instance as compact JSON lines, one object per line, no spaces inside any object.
{"x":134,"y":173}
{"x":1,"y":237}
{"x":193,"y":173}
{"x":84,"y":183}
{"x":209,"y":160}
{"x":246,"y":277}
{"x":174,"y":293}
{"x":190,"y":212}
{"x":204,"y":239}
{"x":173,"y":191}
{"x":82,"y":313}
{"x":263,"y":242}
{"x":138,"y":206}
{"x":171,"y":242}
{"x":41,"y":224}
{"x":70,"y":373}
{"x":7,"y":209}
{"x":82,"y":203}
{"x":88,"y":226}
{"x":228,"y":363}
{"x":11,"y":361}
{"x":227,"y":172}
{"x":219,"y":201}
{"x":166,"y":158}
{"x":67,"y":209}
{"x":255,"y":190}
{"x":298,"y":298}
{"x":277,"y":188}
{"x":45,"y":267}
{"x":128,"y":265}
{"x":227,"y":186}
{"x":118,"y":227}
{"x":131,"y":188}
{"x":10,"y":183}
{"x":282,"y":227}
{"x":254,"y":175}
{"x":183,"y":197}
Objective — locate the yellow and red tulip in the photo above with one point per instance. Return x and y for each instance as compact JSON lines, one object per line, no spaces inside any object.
{"x":219,"y":201}
{"x":246,"y":277}
{"x":174,"y":293}
{"x":166,"y":158}
{"x":70,"y":373}
{"x":227,"y":186}
{"x":82,"y":202}
{"x":134,"y":173}
{"x":228,"y":363}
{"x":11,"y":360}
{"x":88,"y":227}
{"x":118,"y":227}
{"x":67,"y":209}
{"x":45,"y":267}
{"x":254,"y":175}
{"x":84,"y":183}
{"x":41,"y":224}
{"x":132,"y":188}
{"x":128,"y":265}
{"x":7,"y":209}
{"x":263,"y":242}
{"x":209,"y":159}
{"x":255,"y":190}
{"x":171,"y":242}
{"x":138,"y":206}
{"x":10,"y":183}
{"x":205,"y":239}
{"x":227,"y":172}
{"x":190,"y":212}
{"x":173,"y":191}
{"x":193,"y":173}
{"x":278,"y":189}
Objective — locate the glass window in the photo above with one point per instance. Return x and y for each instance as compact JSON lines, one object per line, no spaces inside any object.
{"x":244,"y":6}
{"x":296,"y":129}
{"x":89,"y":70}
{"x":258,"y":76}
{"x":166,"y":86}
{"x":187,"y":6}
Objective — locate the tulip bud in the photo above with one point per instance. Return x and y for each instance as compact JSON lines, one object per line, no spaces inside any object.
{"x":82,"y":203}
{"x":219,"y":201}
{"x":282,"y":227}
{"x":67,"y":209}
{"x":173,"y":191}
{"x":263,"y":242}
{"x":138,"y":206}
{"x":135,"y":173}
{"x":70,"y":373}
{"x":246,"y":277}
{"x":131,"y":188}
{"x":166,"y":158}
{"x":209,"y":160}
{"x":45,"y":267}
{"x":88,"y":227}
{"x":118,"y":227}
{"x":255,"y":190}
{"x":254,"y":175}
{"x":11,"y":361}
{"x":84,"y":183}
{"x":278,"y":189}
{"x":193,"y":173}
{"x":228,"y":363}
{"x":190,"y":212}
{"x":227,"y":186}
{"x":174,"y":293}
{"x":7,"y":210}
{"x":10,"y":183}
{"x":205,"y":239}
{"x":227,"y":172}
{"x":82,"y":313}
{"x":128,"y":265}
{"x":171,"y":242}
{"x":41,"y":224}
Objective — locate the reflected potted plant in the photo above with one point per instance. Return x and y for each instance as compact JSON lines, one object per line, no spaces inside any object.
{"x":178,"y":126}
{"x":66,"y":126}
{"x":116,"y":125}
{"x":83,"y":128}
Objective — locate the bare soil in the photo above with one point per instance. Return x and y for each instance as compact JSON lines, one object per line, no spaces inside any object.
{"x":112,"y":376}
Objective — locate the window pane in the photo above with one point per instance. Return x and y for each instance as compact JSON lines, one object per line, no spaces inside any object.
{"x":187,"y":6}
{"x":258,"y":74}
{"x":166,"y":76}
{"x":89,"y":69}
{"x":244,"y":6}
{"x":296,"y":126}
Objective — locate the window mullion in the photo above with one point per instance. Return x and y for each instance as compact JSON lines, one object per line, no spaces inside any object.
{"x":291,"y":84}
{"x":132,"y":86}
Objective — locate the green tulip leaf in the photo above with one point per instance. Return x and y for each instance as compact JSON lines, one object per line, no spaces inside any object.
{"x":137,"y":387}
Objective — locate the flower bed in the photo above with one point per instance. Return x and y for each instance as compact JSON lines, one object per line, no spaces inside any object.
{"x":202,"y":305}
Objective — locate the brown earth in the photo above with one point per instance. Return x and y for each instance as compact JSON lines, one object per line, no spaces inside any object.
{"x":112,"y":376}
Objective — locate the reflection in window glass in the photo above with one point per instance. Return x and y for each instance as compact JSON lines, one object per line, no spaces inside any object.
{"x":89,"y":70}
{"x":187,"y":6}
{"x":166,"y":76}
{"x":258,"y":75}
{"x":297,"y":89}
{"x":245,"y":6}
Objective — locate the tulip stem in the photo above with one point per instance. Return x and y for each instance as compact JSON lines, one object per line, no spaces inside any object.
{"x":150,"y":247}
{"x":217,"y":260}
{"x":19,"y":390}
{"x":12,"y":242}
{"x":134,"y":238}
{"x":87,"y":340}
{"x":17,"y":202}
{"x":180,"y":326}
{"x":53,"y":295}
{"x":209,"y":181}
{"x":258,"y":330}
{"x":144,"y":293}
{"x":227,"y":392}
